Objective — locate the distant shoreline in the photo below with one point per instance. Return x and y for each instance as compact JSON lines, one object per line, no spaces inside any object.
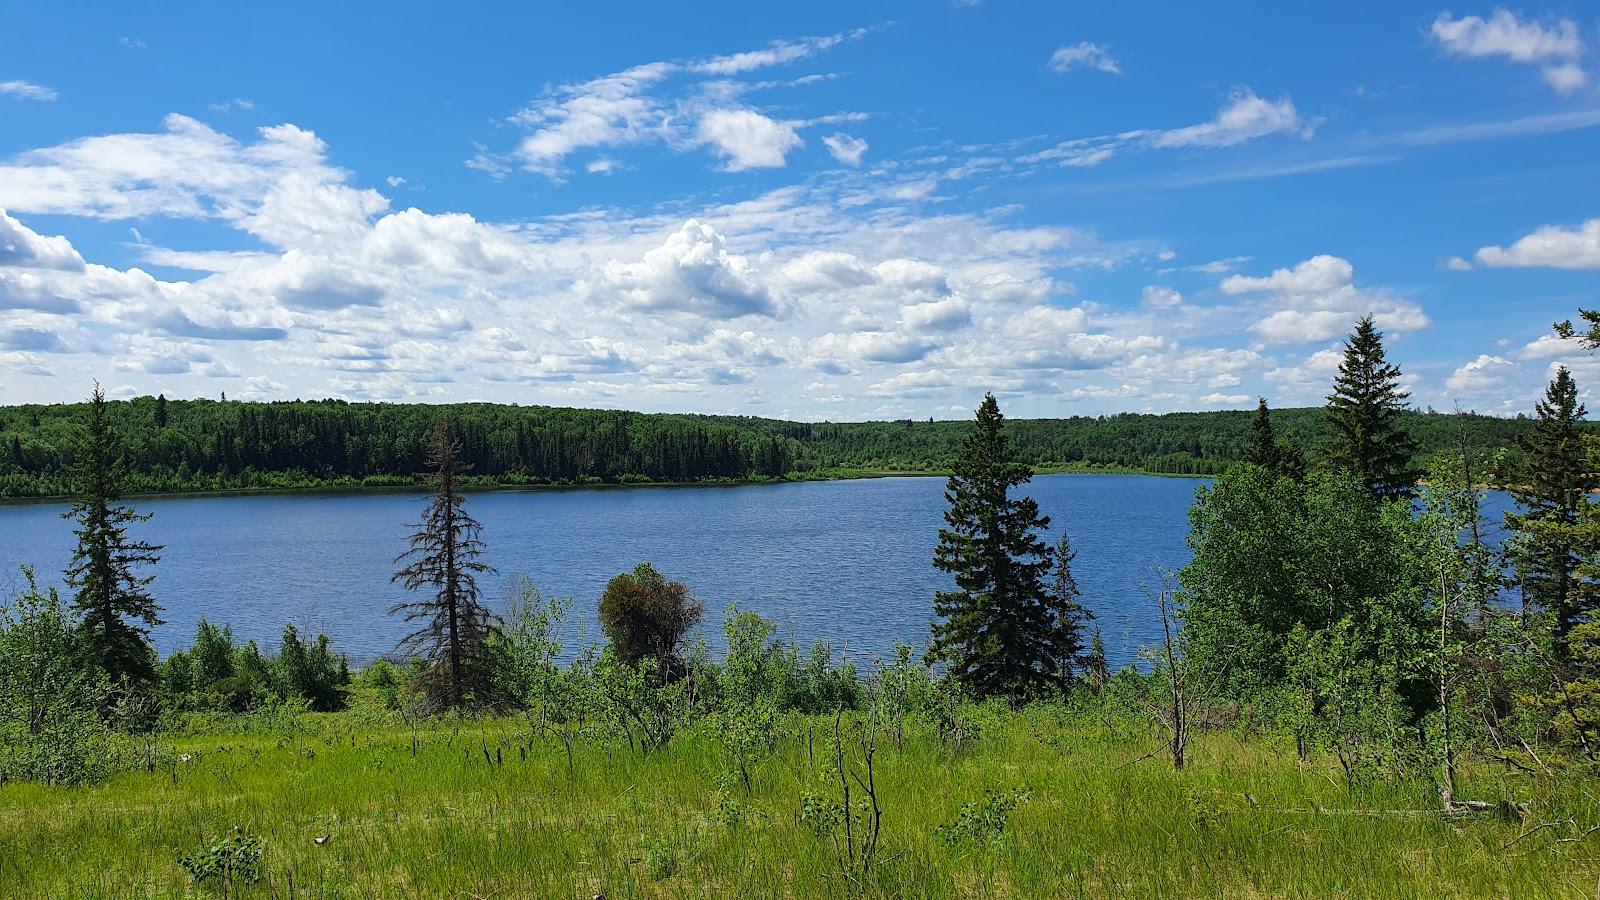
{"x":484,"y":488}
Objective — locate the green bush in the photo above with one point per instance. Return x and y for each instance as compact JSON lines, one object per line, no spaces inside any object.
{"x":50,"y":723}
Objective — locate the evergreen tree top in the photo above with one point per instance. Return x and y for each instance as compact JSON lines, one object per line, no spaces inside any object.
{"x":1364,"y":414}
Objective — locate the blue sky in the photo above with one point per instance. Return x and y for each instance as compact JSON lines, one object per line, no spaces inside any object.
{"x":819,"y":211}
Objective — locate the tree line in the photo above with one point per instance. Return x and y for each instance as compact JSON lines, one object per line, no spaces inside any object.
{"x":207,"y":445}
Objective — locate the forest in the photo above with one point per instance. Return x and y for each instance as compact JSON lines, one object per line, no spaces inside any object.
{"x":216,"y":445}
{"x":1353,"y":694}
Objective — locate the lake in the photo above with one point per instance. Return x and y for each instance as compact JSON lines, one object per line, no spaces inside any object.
{"x":848,"y":562}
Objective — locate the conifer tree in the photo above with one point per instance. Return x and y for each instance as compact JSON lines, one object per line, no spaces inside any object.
{"x":994,"y":630}
{"x":161,"y":410}
{"x":112,"y":601}
{"x":1066,"y":617}
{"x":1261,"y":449}
{"x":1098,"y":669}
{"x":444,"y":557}
{"x":1364,"y":414}
{"x":1552,"y":490}
{"x":1292,"y":458}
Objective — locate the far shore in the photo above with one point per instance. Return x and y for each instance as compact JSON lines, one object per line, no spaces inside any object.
{"x":414,"y":487}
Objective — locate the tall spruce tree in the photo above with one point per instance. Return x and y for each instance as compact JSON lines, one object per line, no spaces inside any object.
{"x":161,"y":410}
{"x":1364,"y":414}
{"x":112,"y":601}
{"x":445,"y":557}
{"x":994,"y":631}
{"x":1552,"y":490}
{"x":1066,"y":617}
{"x":1261,"y":449}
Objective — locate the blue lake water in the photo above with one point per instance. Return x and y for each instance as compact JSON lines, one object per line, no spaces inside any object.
{"x":848,"y":562}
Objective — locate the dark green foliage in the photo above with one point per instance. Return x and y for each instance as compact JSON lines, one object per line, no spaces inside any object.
{"x":1292,"y":458}
{"x":444,"y":556}
{"x":214,"y":674}
{"x":1095,"y":665}
{"x":161,"y":411}
{"x":211,"y":446}
{"x":1283,"y":456}
{"x":232,"y":860}
{"x":1552,"y":487}
{"x":50,"y":725}
{"x":996,"y":630}
{"x":311,"y":671}
{"x":212,"y":653}
{"x":112,"y":600}
{"x":1364,"y":413}
{"x":1262,"y":448}
{"x":1066,"y":617}
{"x":647,"y":617}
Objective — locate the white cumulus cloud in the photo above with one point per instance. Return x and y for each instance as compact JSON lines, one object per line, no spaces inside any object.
{"x":747,"y":139}
{"x":1550,"y":246}
{"x":1554,"y":45}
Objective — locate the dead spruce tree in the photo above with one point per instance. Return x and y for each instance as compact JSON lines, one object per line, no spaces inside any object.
{"x":444,"y":557}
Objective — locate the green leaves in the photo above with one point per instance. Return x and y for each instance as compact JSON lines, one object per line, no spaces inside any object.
{"x":234,"y":859}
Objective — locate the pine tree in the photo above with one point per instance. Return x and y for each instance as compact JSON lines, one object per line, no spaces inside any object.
{"x":994,"y":630}
{"x":1552,"y":490}
{"x":1262,"y":447}
{"x":1364,"y":414}
{"x":161,"y":410}
{"x":1066,"y":617}
{"x":112,"y":601}
{"x":445,"y":556}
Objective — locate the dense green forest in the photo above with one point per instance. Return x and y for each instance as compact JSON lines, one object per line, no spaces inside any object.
{"x":207,"y":445}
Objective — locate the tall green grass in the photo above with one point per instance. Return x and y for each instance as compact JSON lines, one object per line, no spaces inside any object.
{"x":489,"y":809}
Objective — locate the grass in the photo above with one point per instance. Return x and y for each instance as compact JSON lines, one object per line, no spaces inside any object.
{"x":432,"y":813}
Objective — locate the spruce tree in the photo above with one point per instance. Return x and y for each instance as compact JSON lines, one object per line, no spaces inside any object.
{"x":994,"y":630}
{"x":161,"y":410}
{"x":1261,"y":449}
{"x":1552,"y":490}
{"x":444,"y":557}
{"x":1364,"y":414}
{"x":1066,"y":617}
{"x":112,"y":601}
{"x":1291,"y":458}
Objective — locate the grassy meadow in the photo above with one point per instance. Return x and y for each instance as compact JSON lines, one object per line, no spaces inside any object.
{"x":1048,"y":802}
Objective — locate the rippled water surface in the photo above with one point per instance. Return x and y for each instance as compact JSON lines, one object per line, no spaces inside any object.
{"x":845,"y":561}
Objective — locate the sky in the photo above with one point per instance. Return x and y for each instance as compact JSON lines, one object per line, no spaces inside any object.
{"x":819,"y":211}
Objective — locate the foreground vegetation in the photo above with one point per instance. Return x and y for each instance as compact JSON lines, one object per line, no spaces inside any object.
{"x":1049,"y":802}
{"x":1343,"y":703}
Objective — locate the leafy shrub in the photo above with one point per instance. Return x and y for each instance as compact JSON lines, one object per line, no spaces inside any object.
{"x":522,"y":652}
{"x":311,"y":671}
{"x":50,"y":722}
{"x":645,"y":616}
{"x":984,"y":820}
{"x":234,"y":859}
